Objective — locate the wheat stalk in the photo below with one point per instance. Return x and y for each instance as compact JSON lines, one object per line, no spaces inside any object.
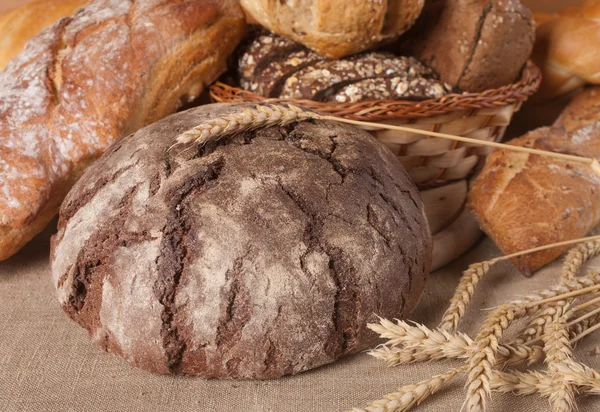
{"x":577,"y":257}
{"x":261,"y":116}
{"x":408,"y":396}
{"x":266,"y":115}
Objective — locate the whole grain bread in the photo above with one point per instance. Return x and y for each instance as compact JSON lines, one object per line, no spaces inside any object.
{"x":523,"y":201}
{"x":474,"y":45}
{"x":278,"y":72}
{"x":197,"y":261}
{"x":91,"y":79}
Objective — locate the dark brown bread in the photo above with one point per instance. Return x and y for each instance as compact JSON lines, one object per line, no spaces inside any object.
{"x":200,"y":262}
{"x":394,"y":88}
{"x":271,"y":67}
{"x":90,"y":79}
{"x":324,"y":78}
{"x":258,"y":53}
{"x":474,"y":45}
{"x":270,"y":80}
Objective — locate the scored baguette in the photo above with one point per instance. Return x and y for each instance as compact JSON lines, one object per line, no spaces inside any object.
{"x":91,"y":79}
{"x":523,"y":201}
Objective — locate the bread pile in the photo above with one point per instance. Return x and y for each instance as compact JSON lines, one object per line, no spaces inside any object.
{"x":193,"y":259}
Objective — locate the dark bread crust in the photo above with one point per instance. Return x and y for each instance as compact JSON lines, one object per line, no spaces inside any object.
{"x":473,"y":45}
{"x":199,"y":261}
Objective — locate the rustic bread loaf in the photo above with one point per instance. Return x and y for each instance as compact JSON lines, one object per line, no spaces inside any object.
{"x":523,"y":201}
{"x":277,"y":72}
{"x":21,"y":24}
{"x":91,"y":79}
{"x":473,"y":45}
{"x":197,"y":261}
{"x":336,"y":28}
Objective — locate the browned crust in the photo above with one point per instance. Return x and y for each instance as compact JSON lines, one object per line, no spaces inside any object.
{"x":102,"y":79}
{"x":523,"y":201}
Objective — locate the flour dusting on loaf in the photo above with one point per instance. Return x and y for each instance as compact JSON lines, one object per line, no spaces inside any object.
{"x":91,"y":79}
{"x":201,"y":262}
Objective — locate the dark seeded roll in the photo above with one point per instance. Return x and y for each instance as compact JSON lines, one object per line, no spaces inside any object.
{"x":270,"y":80}
{"x":394,"y":88}
{"x":260,"y":51}
{"x":303,"y":74}
{"x":197,"y":261}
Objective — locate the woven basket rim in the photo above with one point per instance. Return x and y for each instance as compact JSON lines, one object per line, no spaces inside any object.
{"x":374,"y":110}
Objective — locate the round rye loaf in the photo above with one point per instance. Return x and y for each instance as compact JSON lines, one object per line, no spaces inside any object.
{"x":261,"y":254}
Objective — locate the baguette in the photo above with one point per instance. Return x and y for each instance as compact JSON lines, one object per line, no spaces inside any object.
{"x":91,"y":79}
{"x":523,"y":201}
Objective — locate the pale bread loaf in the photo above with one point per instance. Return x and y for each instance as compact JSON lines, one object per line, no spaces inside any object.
{"x":336,"y":28}
{"x":567,"y":51}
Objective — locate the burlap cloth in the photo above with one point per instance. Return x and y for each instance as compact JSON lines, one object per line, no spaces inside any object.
{"x":48,"y":363}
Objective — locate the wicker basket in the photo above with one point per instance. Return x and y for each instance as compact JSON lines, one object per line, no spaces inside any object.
{"x":439,"y":167}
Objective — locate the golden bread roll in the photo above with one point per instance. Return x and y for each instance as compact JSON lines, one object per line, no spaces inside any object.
{"x":21,"y":24}
{"x":91,"y":79}
{"x":524,"y":201}
{"x":336,"y":28}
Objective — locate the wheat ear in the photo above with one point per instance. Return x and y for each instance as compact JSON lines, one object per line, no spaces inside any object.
{"x":262,"y":115}
{"x":482,"y":362}
{"x":558,"y":355}
{"x":521,"y":383}
{"x":407,"y":344}
{"x":463,"y":294}
{"x":576,"y":257}
{"x":410,"y":395}
{"x":265,"y":115}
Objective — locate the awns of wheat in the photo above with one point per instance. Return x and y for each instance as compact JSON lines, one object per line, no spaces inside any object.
{"x":559,"y":323}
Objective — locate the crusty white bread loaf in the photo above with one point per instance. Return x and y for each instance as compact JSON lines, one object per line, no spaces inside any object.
{"x":474,"y":45}
{"x":567,"y":49}
{"x":91,"y":79}
{"x":336,"y":28}
{"x":523,"y":201}
{"x":21,"y":24}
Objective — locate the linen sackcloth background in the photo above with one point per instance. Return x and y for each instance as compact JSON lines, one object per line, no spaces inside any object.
{"x":48,"y":363}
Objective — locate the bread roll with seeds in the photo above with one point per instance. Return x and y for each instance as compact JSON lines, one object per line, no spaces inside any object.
{"x":271,"y":80}
{"x":336,"y":28}
{"x":394,"y":88}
